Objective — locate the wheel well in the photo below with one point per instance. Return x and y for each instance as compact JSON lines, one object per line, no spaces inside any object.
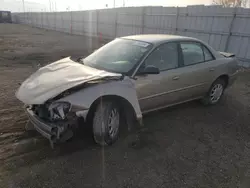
{"x":127,"y":109}
{"x":225,"y":78}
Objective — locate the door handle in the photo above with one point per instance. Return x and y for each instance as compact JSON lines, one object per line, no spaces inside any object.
{"x":176,"y":78}
{"x":211,"y":69}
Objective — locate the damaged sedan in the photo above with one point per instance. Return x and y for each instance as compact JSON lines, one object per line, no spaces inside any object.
{"x":122,"y":80}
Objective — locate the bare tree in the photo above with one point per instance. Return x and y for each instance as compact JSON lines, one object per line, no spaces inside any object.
{"x":245,"y":3}
{"x":231,"y":3}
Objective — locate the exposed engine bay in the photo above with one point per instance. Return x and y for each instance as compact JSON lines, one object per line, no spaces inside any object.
{"x":60,"y":120}
{"x":52,"y":112}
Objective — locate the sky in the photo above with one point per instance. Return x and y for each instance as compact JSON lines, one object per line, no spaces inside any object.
{"x":62,"y":5}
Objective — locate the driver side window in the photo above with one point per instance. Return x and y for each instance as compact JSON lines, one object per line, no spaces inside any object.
{"x":164,"y":57}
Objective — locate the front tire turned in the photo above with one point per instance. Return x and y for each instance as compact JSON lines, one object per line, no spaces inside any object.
{"x":106,"y":123}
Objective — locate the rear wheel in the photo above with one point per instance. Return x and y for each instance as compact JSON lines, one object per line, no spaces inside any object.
{"x":215,"y":92}
{"x":106,"y":123}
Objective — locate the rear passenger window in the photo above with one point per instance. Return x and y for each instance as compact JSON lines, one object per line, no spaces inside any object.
{"x":192,"y":53}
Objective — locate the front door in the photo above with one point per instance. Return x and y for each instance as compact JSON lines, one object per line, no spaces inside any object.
{"x":157,"y":90}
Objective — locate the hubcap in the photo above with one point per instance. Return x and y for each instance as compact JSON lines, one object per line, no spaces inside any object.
{"x":113,"y":122}
{"x":216,"y":93}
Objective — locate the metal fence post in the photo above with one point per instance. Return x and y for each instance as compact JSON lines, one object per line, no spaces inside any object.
{"x":143,"y":20}
{"x":176,"y":20}
{"x":41,"y":20}
{"x":31,"y":19}
{"x":36,"y":22}
{"x":116,"y":17}
{"x":37,"y":19}
{"x":230,"y":30}
{"x":91,"y":30}
{"x":47,"y":24}
{"x":55,"y":21}
{"x":97,"y":23}
{"x":71,"y":23}
{"x":62,"y":23}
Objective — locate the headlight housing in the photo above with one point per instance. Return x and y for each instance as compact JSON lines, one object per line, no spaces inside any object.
{"x":59,"y":110}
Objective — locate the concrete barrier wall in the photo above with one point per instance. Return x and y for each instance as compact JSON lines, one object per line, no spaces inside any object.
{"x":226,"y":29}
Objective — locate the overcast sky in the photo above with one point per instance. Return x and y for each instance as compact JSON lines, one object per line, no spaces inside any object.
{"x":42,"y":5}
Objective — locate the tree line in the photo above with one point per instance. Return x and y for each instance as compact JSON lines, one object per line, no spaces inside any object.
{"x":232,"y":3}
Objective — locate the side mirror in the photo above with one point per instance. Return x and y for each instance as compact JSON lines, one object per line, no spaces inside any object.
{"x":150,"y":69}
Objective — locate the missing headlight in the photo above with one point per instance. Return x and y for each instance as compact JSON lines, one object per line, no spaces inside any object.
{"x":59,"y":110}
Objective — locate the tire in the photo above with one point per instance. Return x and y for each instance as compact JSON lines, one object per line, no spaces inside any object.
{"x":104,"y":118}
{"x":215,"y":92}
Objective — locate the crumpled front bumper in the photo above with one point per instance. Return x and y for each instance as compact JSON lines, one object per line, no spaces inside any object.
{"x":48,"y":130}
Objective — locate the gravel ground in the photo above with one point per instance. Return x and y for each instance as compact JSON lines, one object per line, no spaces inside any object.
{"x":189,"y":145}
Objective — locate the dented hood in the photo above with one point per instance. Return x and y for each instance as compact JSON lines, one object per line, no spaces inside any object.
{"x":53,"y":79}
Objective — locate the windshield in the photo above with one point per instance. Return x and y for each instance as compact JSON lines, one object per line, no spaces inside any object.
{"x":119,"y":56}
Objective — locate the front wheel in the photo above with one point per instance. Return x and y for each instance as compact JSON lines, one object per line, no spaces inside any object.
{"x":215,"y":92}
{"x":106,"y":123}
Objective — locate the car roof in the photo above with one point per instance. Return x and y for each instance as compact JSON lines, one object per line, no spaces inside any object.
{"x":158,"y":38}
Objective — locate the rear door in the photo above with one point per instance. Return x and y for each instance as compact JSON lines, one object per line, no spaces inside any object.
{"x":197,"y":70}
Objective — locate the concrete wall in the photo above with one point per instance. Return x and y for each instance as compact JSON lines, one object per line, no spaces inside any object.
{"x":226,"y":29}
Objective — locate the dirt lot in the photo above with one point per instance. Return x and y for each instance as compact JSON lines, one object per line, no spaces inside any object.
{"x":186,"y":146}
